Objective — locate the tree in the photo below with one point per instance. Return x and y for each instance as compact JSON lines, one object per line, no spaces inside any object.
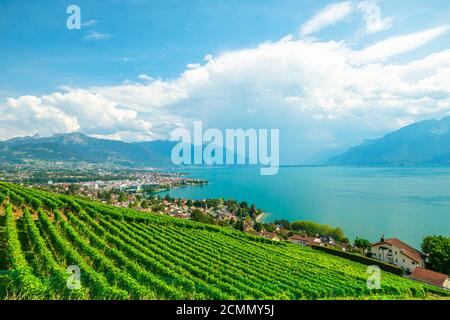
{"x":312,"y":228}
{"x":285,"y":224}
{"x":158,"y":207}
{"x":104,"y":195}
{"x":271,"y":227}
{"x":196,"y":215}
{"x":239,"y":225}
{"x":122,"y":197}
{"x":438,"y":250}
{"x":258,"y":226}
{"x":73,"y":188}
{"x":362,"y":243}
{"x":145,"y":204}
{"x":243,"y":204}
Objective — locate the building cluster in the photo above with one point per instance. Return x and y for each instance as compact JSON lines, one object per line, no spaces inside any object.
{"x":317,"y":240}
{"x":265,"y":234}
{"x":396,"y":252}
{"x":137,"y":183}
{"x":392,"y":251}
{"x":150,"y":181}
{"x":182,"y":209}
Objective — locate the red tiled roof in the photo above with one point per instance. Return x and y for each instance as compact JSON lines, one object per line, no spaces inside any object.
{"x":309,"y":240}
{"x":297,"y":237}
{"x":267,"y":234}
{"x":407,"y":250}
{"x":429,"y":276}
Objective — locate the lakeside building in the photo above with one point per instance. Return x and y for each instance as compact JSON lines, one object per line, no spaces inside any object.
{"x":396,"y":252}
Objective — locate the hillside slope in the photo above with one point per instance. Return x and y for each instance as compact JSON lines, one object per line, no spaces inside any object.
{"x":124,"y":254}
{"x":425,"y":143}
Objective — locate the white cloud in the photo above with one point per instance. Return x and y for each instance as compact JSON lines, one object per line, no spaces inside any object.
{"x":122,"y":59}
{"x":314,"y":92}
{"x":89,"y":23}
{"x":68,"y":111}
{"x":339,"y":11}
{"x":96,"y":36}
{"x":328,"y":16}
{"x":399,"y":44}
{"x":208,"y":57}
{"x":372,"y":16}
{"x":145,"y":77}
{"x":193,"y":65}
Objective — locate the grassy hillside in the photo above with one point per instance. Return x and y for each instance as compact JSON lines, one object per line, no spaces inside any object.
{"x":124,"y":254}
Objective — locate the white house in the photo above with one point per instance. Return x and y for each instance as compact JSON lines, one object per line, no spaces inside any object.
{"x":398,"y":253}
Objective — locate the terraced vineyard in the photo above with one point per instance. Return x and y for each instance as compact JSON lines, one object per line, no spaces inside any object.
{"x":125,"y":254}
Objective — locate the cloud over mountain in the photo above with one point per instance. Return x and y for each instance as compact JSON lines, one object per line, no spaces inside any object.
{"x":320,"y":94}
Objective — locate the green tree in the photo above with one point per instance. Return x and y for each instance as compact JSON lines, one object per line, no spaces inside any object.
{"x":158,"y":207}
{"x":258,"y":226}
{"x":122,"y":197}
{"x":243,"y":204}
{"x":199,"y":216}
{"x":362,"y":243}
{"x":312,"y":228}
{"x":73,"y":188}
{"x":239,"y":225}
{"x":438,"y":250}
{"x":196,"y":215}
{"x":271,"y":227}
{"x":285,"y":224}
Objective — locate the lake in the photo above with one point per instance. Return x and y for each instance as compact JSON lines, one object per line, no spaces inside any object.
{"x":407,"y":203}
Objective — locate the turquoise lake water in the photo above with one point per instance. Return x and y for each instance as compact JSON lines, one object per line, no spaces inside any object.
{"x":407,"y":203}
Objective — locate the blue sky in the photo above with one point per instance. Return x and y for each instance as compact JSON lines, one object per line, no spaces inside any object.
{"x":39,"y":54}
{"x":142,"y":63}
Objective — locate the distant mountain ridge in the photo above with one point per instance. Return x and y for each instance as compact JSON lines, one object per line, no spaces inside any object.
{"x":80,"y":148}
{"x":424,"y":143}
{"x":77,"y":147}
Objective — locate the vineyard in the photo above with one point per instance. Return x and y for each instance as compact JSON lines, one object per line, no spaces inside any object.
{"x":126,"y":254}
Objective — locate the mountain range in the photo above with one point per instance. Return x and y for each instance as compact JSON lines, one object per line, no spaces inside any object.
{"x":77,"y":147}
{"x":424,"y":143}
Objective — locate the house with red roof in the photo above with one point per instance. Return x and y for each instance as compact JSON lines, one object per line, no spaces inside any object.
{"x":431,"y":277}
{"x":305,"y":241}
{"x":396,"y":252}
